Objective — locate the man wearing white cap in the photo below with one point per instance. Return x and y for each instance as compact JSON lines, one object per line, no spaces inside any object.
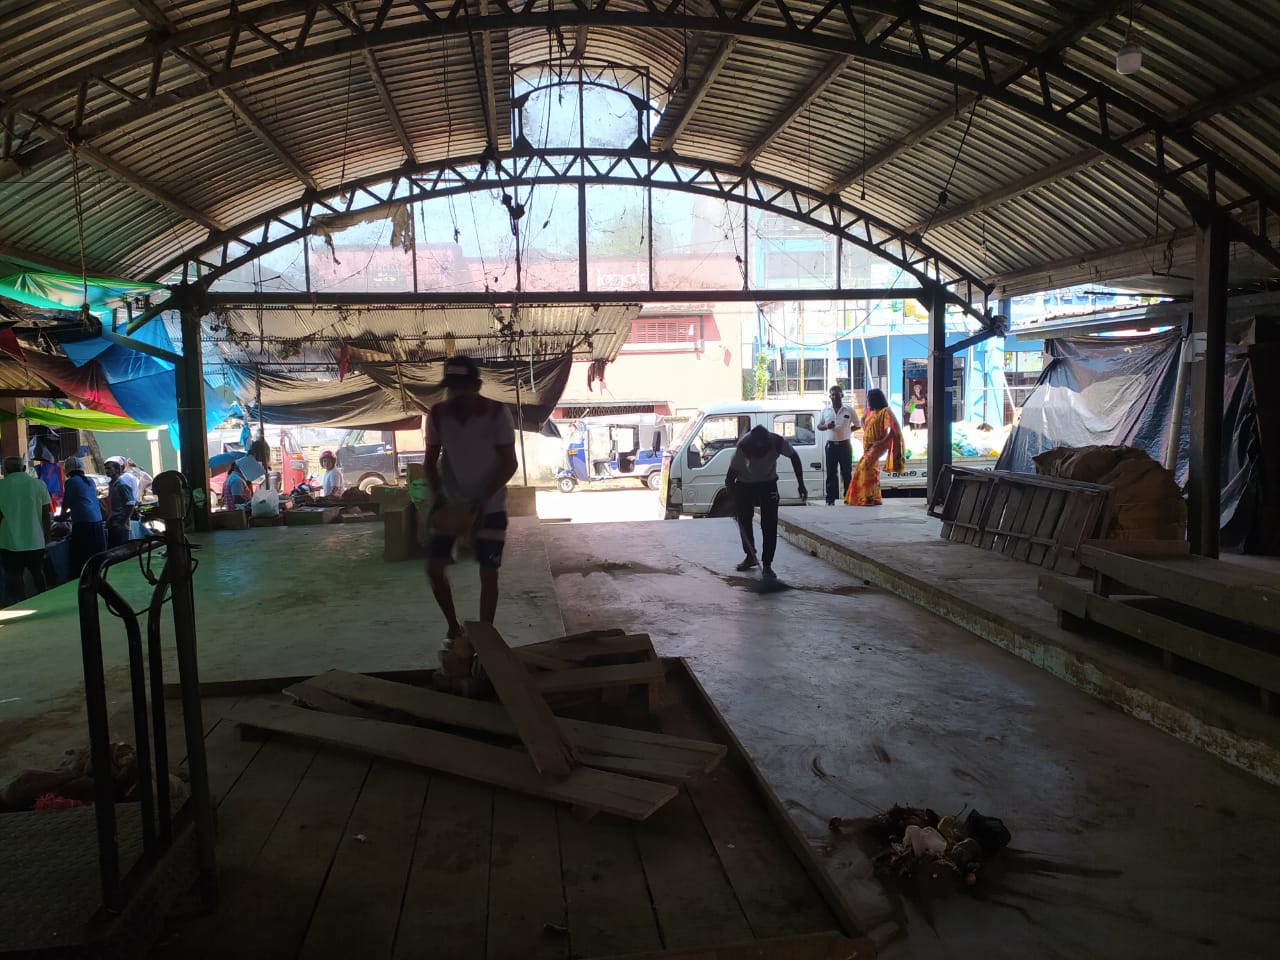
{"x":80,"y":496}
{"x":24,"y":529}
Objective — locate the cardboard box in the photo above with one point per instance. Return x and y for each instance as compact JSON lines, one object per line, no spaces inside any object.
{"x":398,"y":531}
{"x":307,"y":516}
{"x":229,"y":519}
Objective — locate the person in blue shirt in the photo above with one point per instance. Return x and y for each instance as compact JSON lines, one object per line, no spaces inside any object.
{"x":80,"y":497}
{"x":236,"y":491}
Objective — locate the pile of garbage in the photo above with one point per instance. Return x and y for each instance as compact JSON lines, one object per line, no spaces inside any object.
{"x":916,"y":838}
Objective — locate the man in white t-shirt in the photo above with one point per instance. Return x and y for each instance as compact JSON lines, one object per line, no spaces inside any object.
{"x":752,"y":479}
{"x":332,"y":483}
{"x":470,"y":457}
{"x":24,"y":529}
{"x":841,"y":420}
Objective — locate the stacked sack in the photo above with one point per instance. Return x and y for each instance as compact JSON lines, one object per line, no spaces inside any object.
{"x":1146,"y":503}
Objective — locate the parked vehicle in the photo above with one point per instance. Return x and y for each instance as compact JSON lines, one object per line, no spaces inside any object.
{"x":623,"y":447}
{"x":288,"y":465}
{"x":694,"y":468}
{"x":374,"y":458}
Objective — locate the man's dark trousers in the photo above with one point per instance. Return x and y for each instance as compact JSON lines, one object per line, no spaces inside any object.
{"x":839,"y":459}
{"x":748,"y":496}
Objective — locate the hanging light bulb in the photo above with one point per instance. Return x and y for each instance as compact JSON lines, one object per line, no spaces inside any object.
{"x":1129,"y":56}
{"x":1128,"y":59}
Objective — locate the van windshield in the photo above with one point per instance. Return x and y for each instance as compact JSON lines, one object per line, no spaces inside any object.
{"x":686,"y":430}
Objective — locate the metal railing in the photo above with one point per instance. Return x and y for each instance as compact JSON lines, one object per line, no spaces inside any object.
{"x":172,"y":585}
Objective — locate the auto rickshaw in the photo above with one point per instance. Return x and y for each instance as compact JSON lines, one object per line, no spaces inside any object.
{"x":622,"y":447}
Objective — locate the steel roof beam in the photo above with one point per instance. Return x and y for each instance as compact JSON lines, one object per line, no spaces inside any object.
{"x":384,"y":92}
{"x":158,"y":19}
{"x":792,"y":111}
{"x":147,"y":188}
{"x":719,"y":57}
{"x":1069,"y":34}
{"x":482,"y":53}
{"x":1198,"y":112}
{"x":1064,"y":99}
{"x":550,"y":297}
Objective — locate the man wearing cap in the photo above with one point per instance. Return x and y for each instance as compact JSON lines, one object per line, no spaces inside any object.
{"x":470,"y":457}
{"x":24,"y":529}
{"x":752,"y":478}
{"x":80,"y":496}
{"x":122,"y":497}
{"x":331,"y":484}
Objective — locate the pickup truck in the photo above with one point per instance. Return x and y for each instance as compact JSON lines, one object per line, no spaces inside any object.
{"x":375,"y":458}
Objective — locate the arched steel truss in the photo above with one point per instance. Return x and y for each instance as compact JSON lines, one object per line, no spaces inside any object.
{"x":914,"y":40}
{"x":639,"y":168}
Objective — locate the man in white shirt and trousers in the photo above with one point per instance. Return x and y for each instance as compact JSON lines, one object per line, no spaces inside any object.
{"x":841,"y":420}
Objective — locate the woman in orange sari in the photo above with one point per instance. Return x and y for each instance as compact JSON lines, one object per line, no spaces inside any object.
{"x":880,"y":435}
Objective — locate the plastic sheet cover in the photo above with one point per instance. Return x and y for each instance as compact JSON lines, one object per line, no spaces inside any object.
{"x":390,"y":396}
{"x":1120,"y":390}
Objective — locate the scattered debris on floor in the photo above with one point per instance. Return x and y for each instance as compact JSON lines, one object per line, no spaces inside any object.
{"x":914,"y":839}
{"x":516,"y":742}
{"x":71,"y":784}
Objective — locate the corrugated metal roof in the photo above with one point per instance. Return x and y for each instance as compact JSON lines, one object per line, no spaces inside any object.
{"x":189,"y":118}
{"x":411,"y":333}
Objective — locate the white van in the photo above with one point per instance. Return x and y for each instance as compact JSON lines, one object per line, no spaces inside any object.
{"x":693,"y":470}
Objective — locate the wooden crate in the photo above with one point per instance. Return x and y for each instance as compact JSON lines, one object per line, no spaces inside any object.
{"x":1042,"y":520}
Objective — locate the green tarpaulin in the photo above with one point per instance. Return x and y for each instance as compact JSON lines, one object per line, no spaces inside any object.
{"x":62,"y":291}
{"x":77,"y":419}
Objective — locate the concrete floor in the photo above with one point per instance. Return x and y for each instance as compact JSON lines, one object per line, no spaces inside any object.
{"x":1127,"y":843}
{"x":270,"y":601}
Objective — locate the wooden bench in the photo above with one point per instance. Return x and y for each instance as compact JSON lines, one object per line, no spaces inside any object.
{"x":1222,"y":615}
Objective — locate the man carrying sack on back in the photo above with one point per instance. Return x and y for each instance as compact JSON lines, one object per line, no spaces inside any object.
{"x":470,"y":457}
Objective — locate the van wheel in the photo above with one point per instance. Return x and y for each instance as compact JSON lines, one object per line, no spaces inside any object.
{"x":567,"y":484}
{"x":654,"y":480}
{"x":368,"y":483}
{"x":722,"y":506}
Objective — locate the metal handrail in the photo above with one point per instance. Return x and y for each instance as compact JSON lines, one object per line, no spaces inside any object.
{"x":173,"y":583}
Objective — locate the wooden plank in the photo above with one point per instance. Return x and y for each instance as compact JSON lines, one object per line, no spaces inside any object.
{"x":585,"y":649}
{"x":260,"y":686}
{"x":591,"y":678}
{"x":273,"y":905}
{"x":991,"y":514}
{"x":776,"y":894}
{"x":446,"y":897}
{"x":605,"y":890}
{"x":692,"y":896}
{"x":1216,"y":586}
{"x":359,"y":908}
{"x":1257,"y":667}
{"x":1046,"y":529}
{"x":969,"y":508}
{"x":542,"y":661}
{"x":1022,"y":524}
{"x":1064,"y":594}
{"x":1142,"y":548}
{"x":309,"y":695}
{"x":534,"y":721}
{"x":1079,"y":521}
{"x":1031,"y":522}
{"x":817,"y":946}
{"x":246,"y":818}
{"x":613,"y":793}
{"x":526,"y":890}
{"x":594,"y":738}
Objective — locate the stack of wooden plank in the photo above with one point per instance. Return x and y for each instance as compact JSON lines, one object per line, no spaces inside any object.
{"x":1221,"y":615}
{"x":1042,"y":520}
{"x":597,"y":663}
{"x":593,"y":766}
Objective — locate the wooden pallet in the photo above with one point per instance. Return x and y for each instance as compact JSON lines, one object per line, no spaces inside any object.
{"x":1217,"y":614}
{"x":1041,"y":520}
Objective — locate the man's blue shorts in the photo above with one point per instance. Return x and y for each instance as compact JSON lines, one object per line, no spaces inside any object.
{"x":489,"y":541}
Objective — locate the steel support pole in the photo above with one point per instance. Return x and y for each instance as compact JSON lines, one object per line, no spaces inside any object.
{"x":939,"y":412}
{"x":192,"y":435}
{"x":1209,"y":336}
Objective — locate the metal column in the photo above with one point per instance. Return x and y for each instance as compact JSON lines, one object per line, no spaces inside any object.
{"x":940,"y":371}
{"x":192,"y":434}
{"x":1209,"y":340}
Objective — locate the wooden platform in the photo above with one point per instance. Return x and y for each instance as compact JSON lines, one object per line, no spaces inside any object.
{"x":324,"y":853}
